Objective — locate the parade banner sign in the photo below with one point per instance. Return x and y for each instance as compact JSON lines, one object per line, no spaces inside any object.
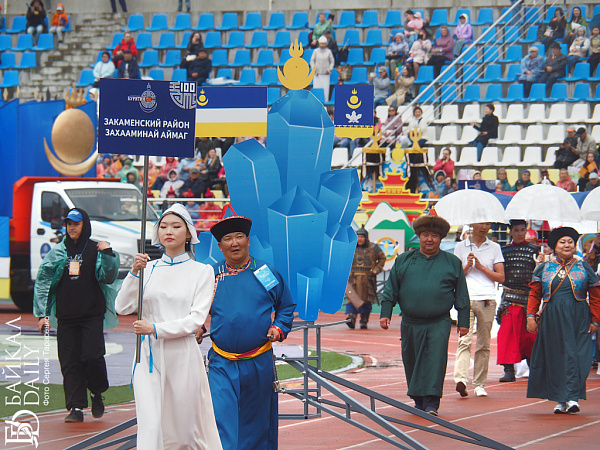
{"x":230,"y":111}
{"x":147,"y":117}
{"x":353,"y":116}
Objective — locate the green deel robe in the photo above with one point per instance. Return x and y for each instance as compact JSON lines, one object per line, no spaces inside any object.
{"x":426,"y":290}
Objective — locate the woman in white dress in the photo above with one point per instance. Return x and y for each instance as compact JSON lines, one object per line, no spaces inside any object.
{"x":322,"y":61}
{"x":172,"y":397}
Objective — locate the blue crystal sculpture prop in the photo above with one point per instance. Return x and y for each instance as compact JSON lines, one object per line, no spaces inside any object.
{"x":301,"y":210}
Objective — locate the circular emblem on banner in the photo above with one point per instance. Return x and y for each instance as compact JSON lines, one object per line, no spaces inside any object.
{"x":148,"y":100}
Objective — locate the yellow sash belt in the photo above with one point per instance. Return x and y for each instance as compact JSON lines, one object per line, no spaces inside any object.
{"x":239,"y":356}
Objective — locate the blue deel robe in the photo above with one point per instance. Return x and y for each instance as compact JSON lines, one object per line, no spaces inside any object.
{"x":244,"y":399}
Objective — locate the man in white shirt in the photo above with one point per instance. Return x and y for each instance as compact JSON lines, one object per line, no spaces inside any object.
{"x":483,"y":264}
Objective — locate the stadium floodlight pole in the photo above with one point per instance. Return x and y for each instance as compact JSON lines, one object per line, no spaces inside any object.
{"x":138,"y":341}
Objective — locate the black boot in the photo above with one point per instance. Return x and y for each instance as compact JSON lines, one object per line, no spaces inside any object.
{"x":364,"y":319}
{"x":509,"y":373}
{"x":352,"y":323}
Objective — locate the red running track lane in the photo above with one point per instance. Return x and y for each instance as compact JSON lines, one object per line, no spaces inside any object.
{"x":505,"y":415}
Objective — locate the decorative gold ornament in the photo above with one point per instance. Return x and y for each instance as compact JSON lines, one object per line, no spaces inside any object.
{"x":354,"y":101}
{"x":297,"y":71}
{"x":202,"y":99}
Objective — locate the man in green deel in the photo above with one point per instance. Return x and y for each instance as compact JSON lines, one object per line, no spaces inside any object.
{"x":426,"y":283}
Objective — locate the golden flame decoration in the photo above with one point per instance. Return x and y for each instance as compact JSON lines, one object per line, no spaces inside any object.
{"x":297,"y":71}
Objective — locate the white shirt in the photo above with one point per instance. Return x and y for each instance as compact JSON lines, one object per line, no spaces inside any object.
{"x":489,"y":253}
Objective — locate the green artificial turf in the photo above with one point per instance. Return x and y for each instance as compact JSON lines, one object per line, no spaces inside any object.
{"x":329,"y":361}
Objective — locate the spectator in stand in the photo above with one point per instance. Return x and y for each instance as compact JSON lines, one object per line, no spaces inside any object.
{"x":585,"y":144}
{"x":184,"y":168}
{"x":463,"y":34}
{"x":450,"y":185}
{"x":59,"y":21}
{"x":382,"y":86}
{"x":322,"y":61}
{"x":594,"y":58}
{"x":397,"y":52}
{"x":390,"y":136}
{"x":565,"y":155}
{"x":126,"y":170}
{"x":103,"y":69}
{"x":503,"y":180}
{"x":36,"y":15}
{"x":519,"y":185}
{"x":556,"y":65}
{"x":212,"y":167}
{"x":577,"y":21}
{"x":332,"y":45}
{"x":402,"y":84}
{"x":417,"y":121}
{"x":128,"y":68}
{"x":441,"y":53}
{"x":127,"y":43}
{"x":195,"y":44}
{"x":103,"y":168}
{"x":203,"y":145}
{"x":565,"y":182}
{"x":532,"y":68}
{"x":420,"y":51}
{"x":169,"y":164}
{"x":445,"y":163}
{"x":526,"y":178}
{"x":487,"y":130}
{"x":414,"y":24}
{"x":180,"y":5}
{"x":588,"y":167}
{"x":200,"y":68}
{"x":194,"y":184}
{"x":545,"y":177}
{"x":477,"y":175}
{"x":554,"y":30}
{"x":578,"y":50}
{"x":172,"y":183}
{"x":319,"y":30}
{"x":123,"y":4}
{"x":593,"y":183}
{"x":221,"y":182}
{"x":440,"y":188}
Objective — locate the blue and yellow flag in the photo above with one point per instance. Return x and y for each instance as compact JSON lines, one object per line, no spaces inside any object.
{"x":353,"y":117}
{"x":226,"y":111}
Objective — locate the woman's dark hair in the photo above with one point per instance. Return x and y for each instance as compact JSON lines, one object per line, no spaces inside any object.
{"x":107,"y":54}
{"x":559,"y":10}
{"x":492,"y":107}
{"x":419,"y":108}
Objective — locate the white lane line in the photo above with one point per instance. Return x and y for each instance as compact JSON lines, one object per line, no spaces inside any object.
{"x":557,"y":434}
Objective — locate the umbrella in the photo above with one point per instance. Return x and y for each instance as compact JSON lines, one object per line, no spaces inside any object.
{"x":470,"y":206}
{"x":590,"y":208}
{"x":543,"y":202}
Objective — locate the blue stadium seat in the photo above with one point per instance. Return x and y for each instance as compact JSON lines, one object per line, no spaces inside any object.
{"x":470,"y":73}
{"x":335,"y":76}
{"x":183,"y":22}
{"x":537,"y":93}
{"x":581,"y":94}
{"x":117,"y":38}
{"x":179,"y":75}
{"x":448,"y":94}
{"x":24,"y":42}
{"x":514,"y":53}
{"x":514,"y":70}
{"x":18,"y":25}
{"x":185,"y":39}
{"x":507,"y":18}
{"x":351,"y":39}
{"x":347,"y":20}
{"x":159,"y":23}
{"x":247,"y":77}
{"x":425,"y":75}
{"x":490,"y":54}
{"x":470,"y":55}
{"x":449,"y":76}
{"x":492,"y":94}
{"x":306,"y":55}
{"x":172,"y":59}
{"x":11,"y":79}
{"x":264,"y":59}
{"x":595,"y":98}
{"x":167,"y":40}
{"x":299,"y":21}
{"x":559,"y":92}
{"x":242,"y":58}
{"x":581,"y":72}
{"x":470,"y":95}
{"x":68,"y":25}
{"x":5,"y":42}
{"x":459,"y":12}
{"x":273,"y":94}
{"x":149,"y":58}
{"x":253,"y":22}
{"x":212,"y":39}
{"x":377,"y":57}
{"x":493,"y":73}
{"x":355,"y":57}
{"x":8,"y":60}
{"x":86,"y":78}
{"x":359,"y":76}
{"x":45,"y":42}
{"x":219,"y":58}
{"x":135,"y":23}
{"x":373,"y":39}
{"x":319,"y":93}
{"x":551,"y":12}
{"x":596,"y":11}
{"x":206,"y":22}
{"x":285,"y":55}
{"x":269,"y":77}
{"x":282,"y":40}
{"x":303,"y":37}
{"x":236,"y":39}
{"x":531,"y":37}
{"x":369,"y":19}
{"x":511,"y":34}
{"x":532,"y":14}
{"x":143,"y":41}
{"x":393,"y":18}
{"x":98,"y":59}
{"x":276,"y":21}
{"x":229,"y":22}
{"x":491,"y":37}
{"x":427,"y":94}
{"x":157,"y":74}
{"x":259,"y":40}
{"x":28,"y":61}
{"x":515,"y":93}
{"x":484,"y":17}
{"x":439,"y":17}
{"x":225,"y":73}
{"x":331,"y":101}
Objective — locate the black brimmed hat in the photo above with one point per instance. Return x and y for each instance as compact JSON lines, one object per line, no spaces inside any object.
{"x":560,"y":232}
{"x":434,"y":224}
{"x":232,"y":224}
{"x":515,"y":222}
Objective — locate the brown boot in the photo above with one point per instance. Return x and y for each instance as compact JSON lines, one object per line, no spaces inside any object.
{"x":352,"y":323}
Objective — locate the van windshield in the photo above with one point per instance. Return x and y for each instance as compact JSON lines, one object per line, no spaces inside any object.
{"x":111,"y":203}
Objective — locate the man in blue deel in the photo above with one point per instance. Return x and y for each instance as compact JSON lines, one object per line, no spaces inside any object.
{"x":241,"y":369}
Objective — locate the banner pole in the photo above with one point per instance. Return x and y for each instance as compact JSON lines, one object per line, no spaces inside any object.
{"x":138,"y":342}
